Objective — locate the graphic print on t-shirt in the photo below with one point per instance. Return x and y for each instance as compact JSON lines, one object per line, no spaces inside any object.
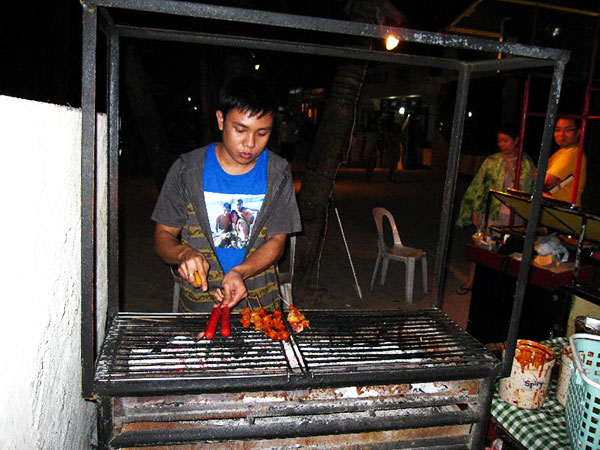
{"x":232,"y":217}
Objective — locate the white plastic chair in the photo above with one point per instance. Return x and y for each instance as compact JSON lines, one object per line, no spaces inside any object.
{"x":397,"y":252}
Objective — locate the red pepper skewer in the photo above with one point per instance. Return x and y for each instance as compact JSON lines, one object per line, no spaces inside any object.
{"x":211,"y":327}
{"x":225,"y":322}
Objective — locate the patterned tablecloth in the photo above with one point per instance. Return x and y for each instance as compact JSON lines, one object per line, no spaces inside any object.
{"x":543,"y":428}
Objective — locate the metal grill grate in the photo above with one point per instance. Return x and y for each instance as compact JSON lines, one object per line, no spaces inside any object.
{"x":159,"y":353}
{"x":345,"y":341}
{"x":164,"y":346}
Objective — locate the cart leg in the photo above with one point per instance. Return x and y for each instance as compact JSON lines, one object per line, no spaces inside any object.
{"x":479,"y":430}
{"x":104,"y":423}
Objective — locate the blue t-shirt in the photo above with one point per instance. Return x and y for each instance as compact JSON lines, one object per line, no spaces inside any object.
{"x":233,"y":203}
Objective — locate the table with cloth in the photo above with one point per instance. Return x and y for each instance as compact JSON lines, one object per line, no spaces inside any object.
{"x":545,"y":310}
{"x":544,"y":428}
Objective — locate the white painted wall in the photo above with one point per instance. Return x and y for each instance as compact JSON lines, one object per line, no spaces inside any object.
{"x":40,"y":376}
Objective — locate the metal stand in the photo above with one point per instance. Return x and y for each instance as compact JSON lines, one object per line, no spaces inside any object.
{"x":358,"y":291}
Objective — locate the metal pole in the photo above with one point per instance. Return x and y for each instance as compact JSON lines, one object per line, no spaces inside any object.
{"x":524,"y":109}
{"x":516,"y":181}
{"x":310,"y":23}
{"x":536,"y":204}
{"x":358,"y":291}
{"x":450,"y":184}
{"x":88,"y":185}
{"x":486,"y":393}
{"x":113,"y":169}
{"x":579,"y":248}
{"x":586,"y":110}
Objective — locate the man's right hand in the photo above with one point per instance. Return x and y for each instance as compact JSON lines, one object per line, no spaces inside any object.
{"x":193,"y":262}
{"x":188,"y":260}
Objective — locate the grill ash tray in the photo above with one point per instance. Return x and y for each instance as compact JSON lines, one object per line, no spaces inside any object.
{"x":145,"y":354}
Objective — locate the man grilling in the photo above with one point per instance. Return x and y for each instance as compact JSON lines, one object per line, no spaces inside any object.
{"x":198,"y":185}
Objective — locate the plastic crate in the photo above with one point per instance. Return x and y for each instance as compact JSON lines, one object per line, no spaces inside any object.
{"x":583,"y":401}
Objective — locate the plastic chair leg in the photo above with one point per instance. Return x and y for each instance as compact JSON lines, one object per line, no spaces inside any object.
{"x":384,"y":269}
{"x":424,"y":270}
{"x":374,"y":272}
{"x":410,"y":279}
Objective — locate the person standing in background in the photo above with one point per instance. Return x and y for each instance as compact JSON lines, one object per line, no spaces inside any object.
{"x":497,"y":172}
{"x":560,"y":176}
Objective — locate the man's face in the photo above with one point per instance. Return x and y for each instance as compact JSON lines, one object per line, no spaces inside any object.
{"x":244,"y":137}
{"x":566,"y":133}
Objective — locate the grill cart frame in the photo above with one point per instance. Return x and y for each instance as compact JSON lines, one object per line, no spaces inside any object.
{"x":106,"y":15}
{"x":397,"y":376}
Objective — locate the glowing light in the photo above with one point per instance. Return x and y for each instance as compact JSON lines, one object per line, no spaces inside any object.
{"x":189,"y":99}
{"x":256,"y":66}
{"x":391,"y":42}
{"x":195,"y":108}
{"x":470,"y":114}
{"x":402,"y":110}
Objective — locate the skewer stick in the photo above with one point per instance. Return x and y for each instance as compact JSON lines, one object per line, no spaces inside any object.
{"x":279,"y":297}
{"x":255,"y":297}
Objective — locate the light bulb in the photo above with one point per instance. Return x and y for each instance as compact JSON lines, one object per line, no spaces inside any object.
{"x":391,"y":42}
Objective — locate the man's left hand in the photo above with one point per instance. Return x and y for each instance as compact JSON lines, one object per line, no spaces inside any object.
{"x":234,"y":289}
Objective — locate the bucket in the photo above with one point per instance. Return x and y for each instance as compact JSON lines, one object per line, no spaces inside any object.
{"x":529,"y":380}
{"x":564,"y":376}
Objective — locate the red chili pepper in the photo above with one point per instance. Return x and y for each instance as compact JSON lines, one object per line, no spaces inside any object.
{"x":213,"y":321}
{"x":225,"y":327}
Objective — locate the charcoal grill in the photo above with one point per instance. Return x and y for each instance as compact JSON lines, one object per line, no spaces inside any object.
{"x":397,"y":379}
{"x":352,"y":372}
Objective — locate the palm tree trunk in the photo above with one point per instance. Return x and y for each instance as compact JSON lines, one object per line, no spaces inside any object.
{"x":331,"y":143}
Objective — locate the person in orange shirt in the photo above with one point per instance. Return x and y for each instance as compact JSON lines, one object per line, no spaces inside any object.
{"x":560,"y":175}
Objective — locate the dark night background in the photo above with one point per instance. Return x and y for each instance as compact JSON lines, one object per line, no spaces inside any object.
{"x":41,"y":42}
{"x":41,"y":46}
{"x":41,"y":49}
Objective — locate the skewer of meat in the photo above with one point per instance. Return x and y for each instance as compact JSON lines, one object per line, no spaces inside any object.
{"x":213,"y":321}
{"x":297,"y":320}
{"x":225,"y":321}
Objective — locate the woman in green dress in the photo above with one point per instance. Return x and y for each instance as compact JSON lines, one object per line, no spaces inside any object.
{"x":497,"y":172}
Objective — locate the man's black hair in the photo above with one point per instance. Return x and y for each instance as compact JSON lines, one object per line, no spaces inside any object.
{"x":247,"y":94}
